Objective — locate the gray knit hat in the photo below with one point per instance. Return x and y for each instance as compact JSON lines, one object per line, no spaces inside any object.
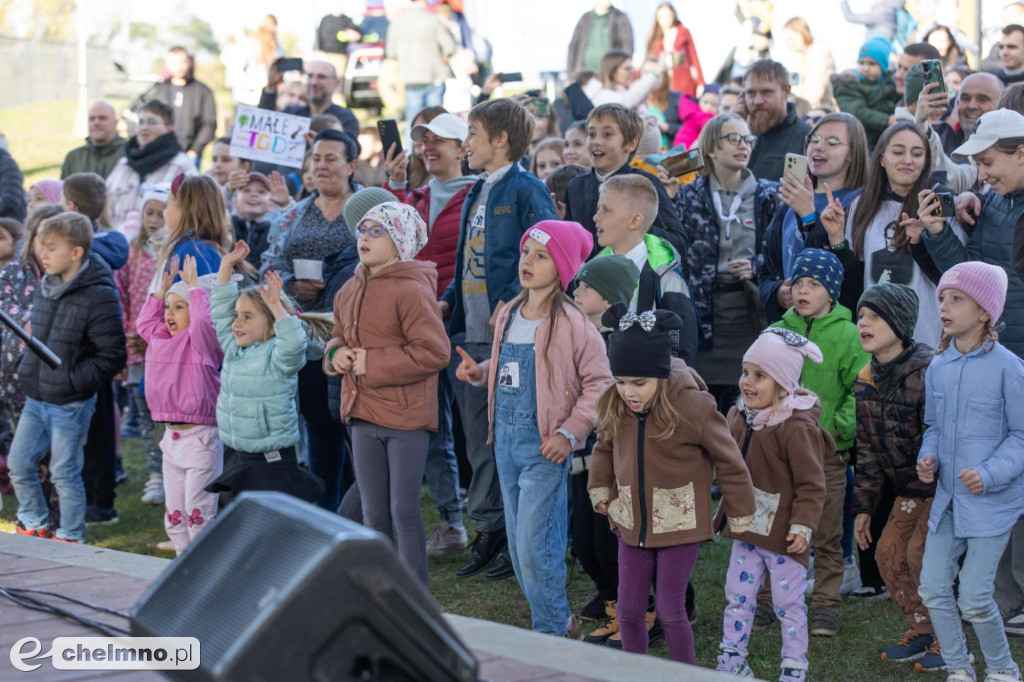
{"x":361,"y":202}
{"x":897,"y":304}
{"x":614,"y":277}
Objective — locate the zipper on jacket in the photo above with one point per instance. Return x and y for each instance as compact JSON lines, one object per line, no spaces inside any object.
{"x":809,"y":323}
{"x":640,"y":487}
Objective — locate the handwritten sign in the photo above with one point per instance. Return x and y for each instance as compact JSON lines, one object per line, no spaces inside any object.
{"x":271,"y":136}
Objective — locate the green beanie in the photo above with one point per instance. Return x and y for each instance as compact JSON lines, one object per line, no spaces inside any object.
{"x":915,"y":84}
{"x":614,"y":277}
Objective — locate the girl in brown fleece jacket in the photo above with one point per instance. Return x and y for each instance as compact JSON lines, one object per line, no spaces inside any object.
{"x":776,"y":423}
{"x":660,"y":440}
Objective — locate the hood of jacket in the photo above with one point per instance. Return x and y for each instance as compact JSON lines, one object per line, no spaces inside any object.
{"x":682,"y":379}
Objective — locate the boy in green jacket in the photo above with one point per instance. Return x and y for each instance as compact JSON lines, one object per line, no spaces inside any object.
{"x":816,"y":314}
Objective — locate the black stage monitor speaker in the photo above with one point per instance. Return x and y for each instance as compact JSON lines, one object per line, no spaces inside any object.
{"x":279,"y":590}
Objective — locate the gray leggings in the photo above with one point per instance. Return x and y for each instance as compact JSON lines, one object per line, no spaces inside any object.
{"x":389,"y":466}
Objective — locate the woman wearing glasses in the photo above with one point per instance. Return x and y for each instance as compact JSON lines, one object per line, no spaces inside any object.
{"x":837,"y":153}
{"x":726,"y":212}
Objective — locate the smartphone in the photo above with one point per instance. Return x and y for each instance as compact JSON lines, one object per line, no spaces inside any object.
{"x":797,"y":165}
{"x":541,"y":107}
{"x":289,"y":64}
{"x":683,"y":163}
{"x":932,"y":70}
{"x":387,"y":128}
{"x":514,"y":77}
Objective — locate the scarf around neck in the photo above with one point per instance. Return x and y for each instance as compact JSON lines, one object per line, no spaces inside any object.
{"x":159,"y":152}
{"x":760,"y":419}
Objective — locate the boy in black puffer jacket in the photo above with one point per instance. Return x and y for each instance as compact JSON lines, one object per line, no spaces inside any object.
{"x":76,"y":313}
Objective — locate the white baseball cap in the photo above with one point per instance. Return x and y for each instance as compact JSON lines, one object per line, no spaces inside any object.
{"x":990,"y":128}
{"x":447,"y":126}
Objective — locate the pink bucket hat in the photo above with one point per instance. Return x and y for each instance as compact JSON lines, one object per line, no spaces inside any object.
{"x":781,"y":353}
{"x":568,"y":243}
{"x":985,"y":284}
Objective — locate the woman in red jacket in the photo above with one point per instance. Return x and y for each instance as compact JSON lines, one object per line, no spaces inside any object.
{"x":669,"y":35}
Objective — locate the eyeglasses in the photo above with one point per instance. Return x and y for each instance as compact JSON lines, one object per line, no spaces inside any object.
{"x":372,"y":231}
{"x":736,"y":138}
{"x":829,"y":141}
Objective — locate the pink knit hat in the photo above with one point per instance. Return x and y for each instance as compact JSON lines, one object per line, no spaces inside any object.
{"x":780,"y":353}
{"x":568,"y":243}
{"x":51,"y":189}
{"x":985,"y":284}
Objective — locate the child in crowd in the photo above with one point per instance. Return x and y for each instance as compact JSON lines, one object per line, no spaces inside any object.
{"x":817,"y":314}
{"x":228,"y":170}
{"x":371,"y":171}
{"x":197,"y":225}
{"x":549,"y":157}
{"x":626,"y":210}
{"x":973,"y":449}
{"x":600,"y":284}
{"x":252,"y":203}
{"x":546,"y":369}
{"x":43,"y":192}
{"x":265,"y":346}
{"x":11,"y":232}
{"x":182,"y":384}
{"x":86,"y":193}
{"x":558,"y":182}
{"x":388,"y":345}
{"x":133,"y":282}
{"x":499,"y":209}
{"x":613,"y":135}
{"x":659,"y":437}
{"x":775,"y":421}
{"x":890,"y":425}
{"x":76,"y":313}
{"x":576,"y":145}
{"x":869,"y":93}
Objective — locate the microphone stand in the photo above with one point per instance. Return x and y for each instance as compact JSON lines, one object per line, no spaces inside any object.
{"x":32,"y":343}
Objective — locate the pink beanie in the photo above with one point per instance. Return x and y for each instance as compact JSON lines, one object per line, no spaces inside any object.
{"x":780,"y":353}
{"x":985,"y":284}
{"x":568,"y":243}
{"x":50,"y":189}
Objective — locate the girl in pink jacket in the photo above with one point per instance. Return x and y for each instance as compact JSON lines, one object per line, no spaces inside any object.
{"x":547,"y":367}
{"x":182,"y":384}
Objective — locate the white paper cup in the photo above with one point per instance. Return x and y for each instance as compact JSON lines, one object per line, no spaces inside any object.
{"x":308,"y":269}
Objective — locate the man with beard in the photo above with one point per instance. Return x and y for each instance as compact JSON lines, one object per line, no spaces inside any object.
{"x":779,"y":131}
{"x":321,"y":83}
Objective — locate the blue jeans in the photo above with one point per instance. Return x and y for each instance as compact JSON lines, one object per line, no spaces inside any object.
{"x":942,"y":552}
{"x":418,"y":97}
{"x":61,"y":430}
{"x":442,"y":470}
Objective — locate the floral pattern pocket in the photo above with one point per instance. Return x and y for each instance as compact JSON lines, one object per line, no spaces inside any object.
{"x":674,"y":509}
{"x":764,"y":515}
{"x":621,"y":508}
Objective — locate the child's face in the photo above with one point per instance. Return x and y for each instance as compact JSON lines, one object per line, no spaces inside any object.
{"x":614,"y":221}
{"x":172,"y":214}
{"x":59,"y":257}
{"x":253,"y":201}
{"x":588,"y":300}
{"x":250,"y":325}
{"x":536,"y":268}
{"x":576,"y":148}
{"x":308,"y":179}
{"x":6,"y":246}
{"x":36,"y":198}
{"x":959,"y":314}
{"x":757,"y":388}
{"x":152,"y":216}
{"x":548,"y":161}
{"x":376,"y":248}
{"x":607,"y":146}
{"x":726,"y":102}
{"x":869,"y":68}
{"x":810,"y":298}
{"x":876,"y":336}
{"x":637,"y":392}
{"x":953,"y":80}
{"x":709,"y":102}
{"x":176,"y":315}
{"x":479,"y":149}
{"x":729,"y":156}
{"x":223,"y":163}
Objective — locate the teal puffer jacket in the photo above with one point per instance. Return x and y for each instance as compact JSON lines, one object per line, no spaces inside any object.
{"x":256,"y":408}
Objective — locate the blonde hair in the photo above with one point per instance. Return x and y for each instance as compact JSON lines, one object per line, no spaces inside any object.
{"x":35,"y":219}
{"x":639,"y":193}
{"x":203,"y":211}
{"x":73,"y":228}
{"x":612,"y":412}
{"x":989,"y":338}
{"x":556,"y":144}
{"x":318,"y":325}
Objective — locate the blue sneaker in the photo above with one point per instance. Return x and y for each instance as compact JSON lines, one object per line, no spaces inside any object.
{"x":911,"y":646}
{"x":932,"y":661}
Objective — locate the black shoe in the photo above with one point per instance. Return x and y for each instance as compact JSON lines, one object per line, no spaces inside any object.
{"x":595,"y":610}
{"x":485,"y":549}
{"x":94,"y":514}
{"x":120,"y":475}
{"x":501,"y":567}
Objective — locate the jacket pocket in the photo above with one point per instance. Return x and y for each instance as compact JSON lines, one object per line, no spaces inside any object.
{"x":674,"y":509}
{"x":984,"y":419}
{"x":264,"y":419}
{"x":621,"y":508}
{"x":764,"y":514}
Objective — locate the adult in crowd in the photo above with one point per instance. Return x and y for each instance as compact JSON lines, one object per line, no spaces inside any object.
{"x":1011,"y":54}
{"x":779,"y":131}
{"x":422,"y":45}
{"x":979,"y":94}
{"x":195,"y":111}
{"x":879,"y":21}
{"x":942,"y":39}
{"x":248,"y":59}
{"x":333,"y":37}
{"x":439,"y":203}
{"x":837,"y":156}
{"x":103,"y":147}
{"x":13,"y":200}
{"x":597,"y":33}
{"x":152,"y":157}
{"x":615,"y":82}
{"x":913,"y":54}
{"x":321,"y":83}
{"x":314,"y":230}
{"x":926,"y":106}
{"x":727,"y":211}
{"x":417,"y":173}
{"x":813,"y":87}
{"x":669,"y":37}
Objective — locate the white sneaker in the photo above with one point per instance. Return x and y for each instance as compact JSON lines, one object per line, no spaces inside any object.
{"x":965,"y":675}
{"x":153,"y":490}
{"x":851,"y":577}
{"x":1003,"y":676}
{"x":165,"y":546}
{"x":446,"y":539}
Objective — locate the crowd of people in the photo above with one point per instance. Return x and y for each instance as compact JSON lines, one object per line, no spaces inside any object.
{"x":820,"y":323}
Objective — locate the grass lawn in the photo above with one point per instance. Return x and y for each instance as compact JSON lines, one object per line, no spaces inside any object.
{"x":852,"y":656}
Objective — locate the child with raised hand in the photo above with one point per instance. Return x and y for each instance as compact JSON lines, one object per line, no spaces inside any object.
{"x":265,"y":345}
{"x":182,"y":384}
{"x":974,"y":449}
{"x":660,"y":441}
{"x":546,"y":369}
{"x":388,"y":345}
